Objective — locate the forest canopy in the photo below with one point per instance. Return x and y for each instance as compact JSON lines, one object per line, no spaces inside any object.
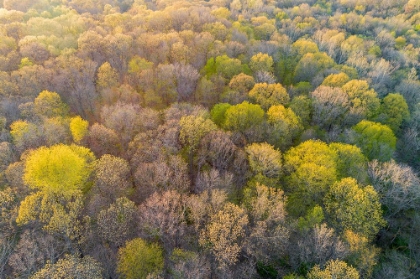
{"x":209,"y":139}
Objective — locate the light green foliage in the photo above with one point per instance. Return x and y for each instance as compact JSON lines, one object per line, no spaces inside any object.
{"x":333,"y":269}
{"x":350,"y":207}
{"x":243,"y":116}
{"x":364,"y":101}
{"x":309,"y":184}
{"x":311,"y":151}
{"x":138,"y":64}
{"x":58,"y":169}
{"x":193,"y":129}
{"x":313,"y":218}
{"x":138,"y":259}
{"x":377,"y":141}
{"x":312,"y":64}
{"x":394,"y":110}
{"x":49,"y":104}
{"x":302,"y":107}
{"x":25,"y":61}
{"x":261,"y":62}
{"x":285,"y":126}
{"x":311,"y":169}
{"x":224,"y":65}
{"x":218,"y":113}
{"x":79,"y":128}
{"x":264,"y":159}
{"x":71,"y":267}
{"x":268,"y":95}
{"x":336,"y":80}
{"x":350,"y":161}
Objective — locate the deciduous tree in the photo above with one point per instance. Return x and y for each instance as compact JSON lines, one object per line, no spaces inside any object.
{"x":138,"y":259}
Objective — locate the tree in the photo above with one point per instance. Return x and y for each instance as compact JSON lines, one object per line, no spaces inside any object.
{"x":78,"y":128}
{"x":107,"y":77}
{"x":242,"y":83}
{"x":112,"y":176}
{"x":350,"y":207}
{"x":59,"y":214}
{"x":243,"y":116}
{"x":218,"y":113}
{"x":312,"y":64}
{"x":267,"y":95}
{"x":162,"y":216}
{"x":302,"y":107}
{"x":362,"y":255}
{"x":49,"y":104}
{"x":58,"y":169}
{"x":71,"y":267}
{"x":55,"y":131}
{"x":330,"y":107}
{"x":138,"y":259}
{"x":25,"y":135}
{"x":223,"y":65}
{"x":127,"y":120}
{"x":261,"y":62}
{"x":117,"y":224}
{"x":350,"y":161}
{"x":397,"y":185}
{"x":285,"y":126}
{"x":269,"y":234}
{"x":217,"y":150}
{"x":336,"y":80}
{"x":224,"y":234}
{"x":364,"y":101}
{"x":393,"y":111}
{"x":74,"y":78}
{"x":377,"y":141}
{"x":317,"y":245}
{"x":186,"y":81}
{"x":311,"y":169}
{"x":303,"y":46}
{"x":334,"y":269}
{"x":103,"y":140}
{"x":264,"y":160}
{"x":161,"y":175}
{"x":310,"y":151}
{"x":193,"y":129}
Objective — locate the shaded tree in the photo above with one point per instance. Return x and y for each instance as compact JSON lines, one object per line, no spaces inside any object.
{"x":117,"y":224}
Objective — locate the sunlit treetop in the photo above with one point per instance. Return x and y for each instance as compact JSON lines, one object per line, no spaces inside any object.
{"x":59,"y":168}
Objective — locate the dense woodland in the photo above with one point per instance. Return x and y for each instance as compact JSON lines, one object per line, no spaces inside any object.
{"x":209,"y":139}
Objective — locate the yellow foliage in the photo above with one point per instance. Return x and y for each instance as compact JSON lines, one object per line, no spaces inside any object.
{"x":59,"y":169}
{"x":78,"y":128}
